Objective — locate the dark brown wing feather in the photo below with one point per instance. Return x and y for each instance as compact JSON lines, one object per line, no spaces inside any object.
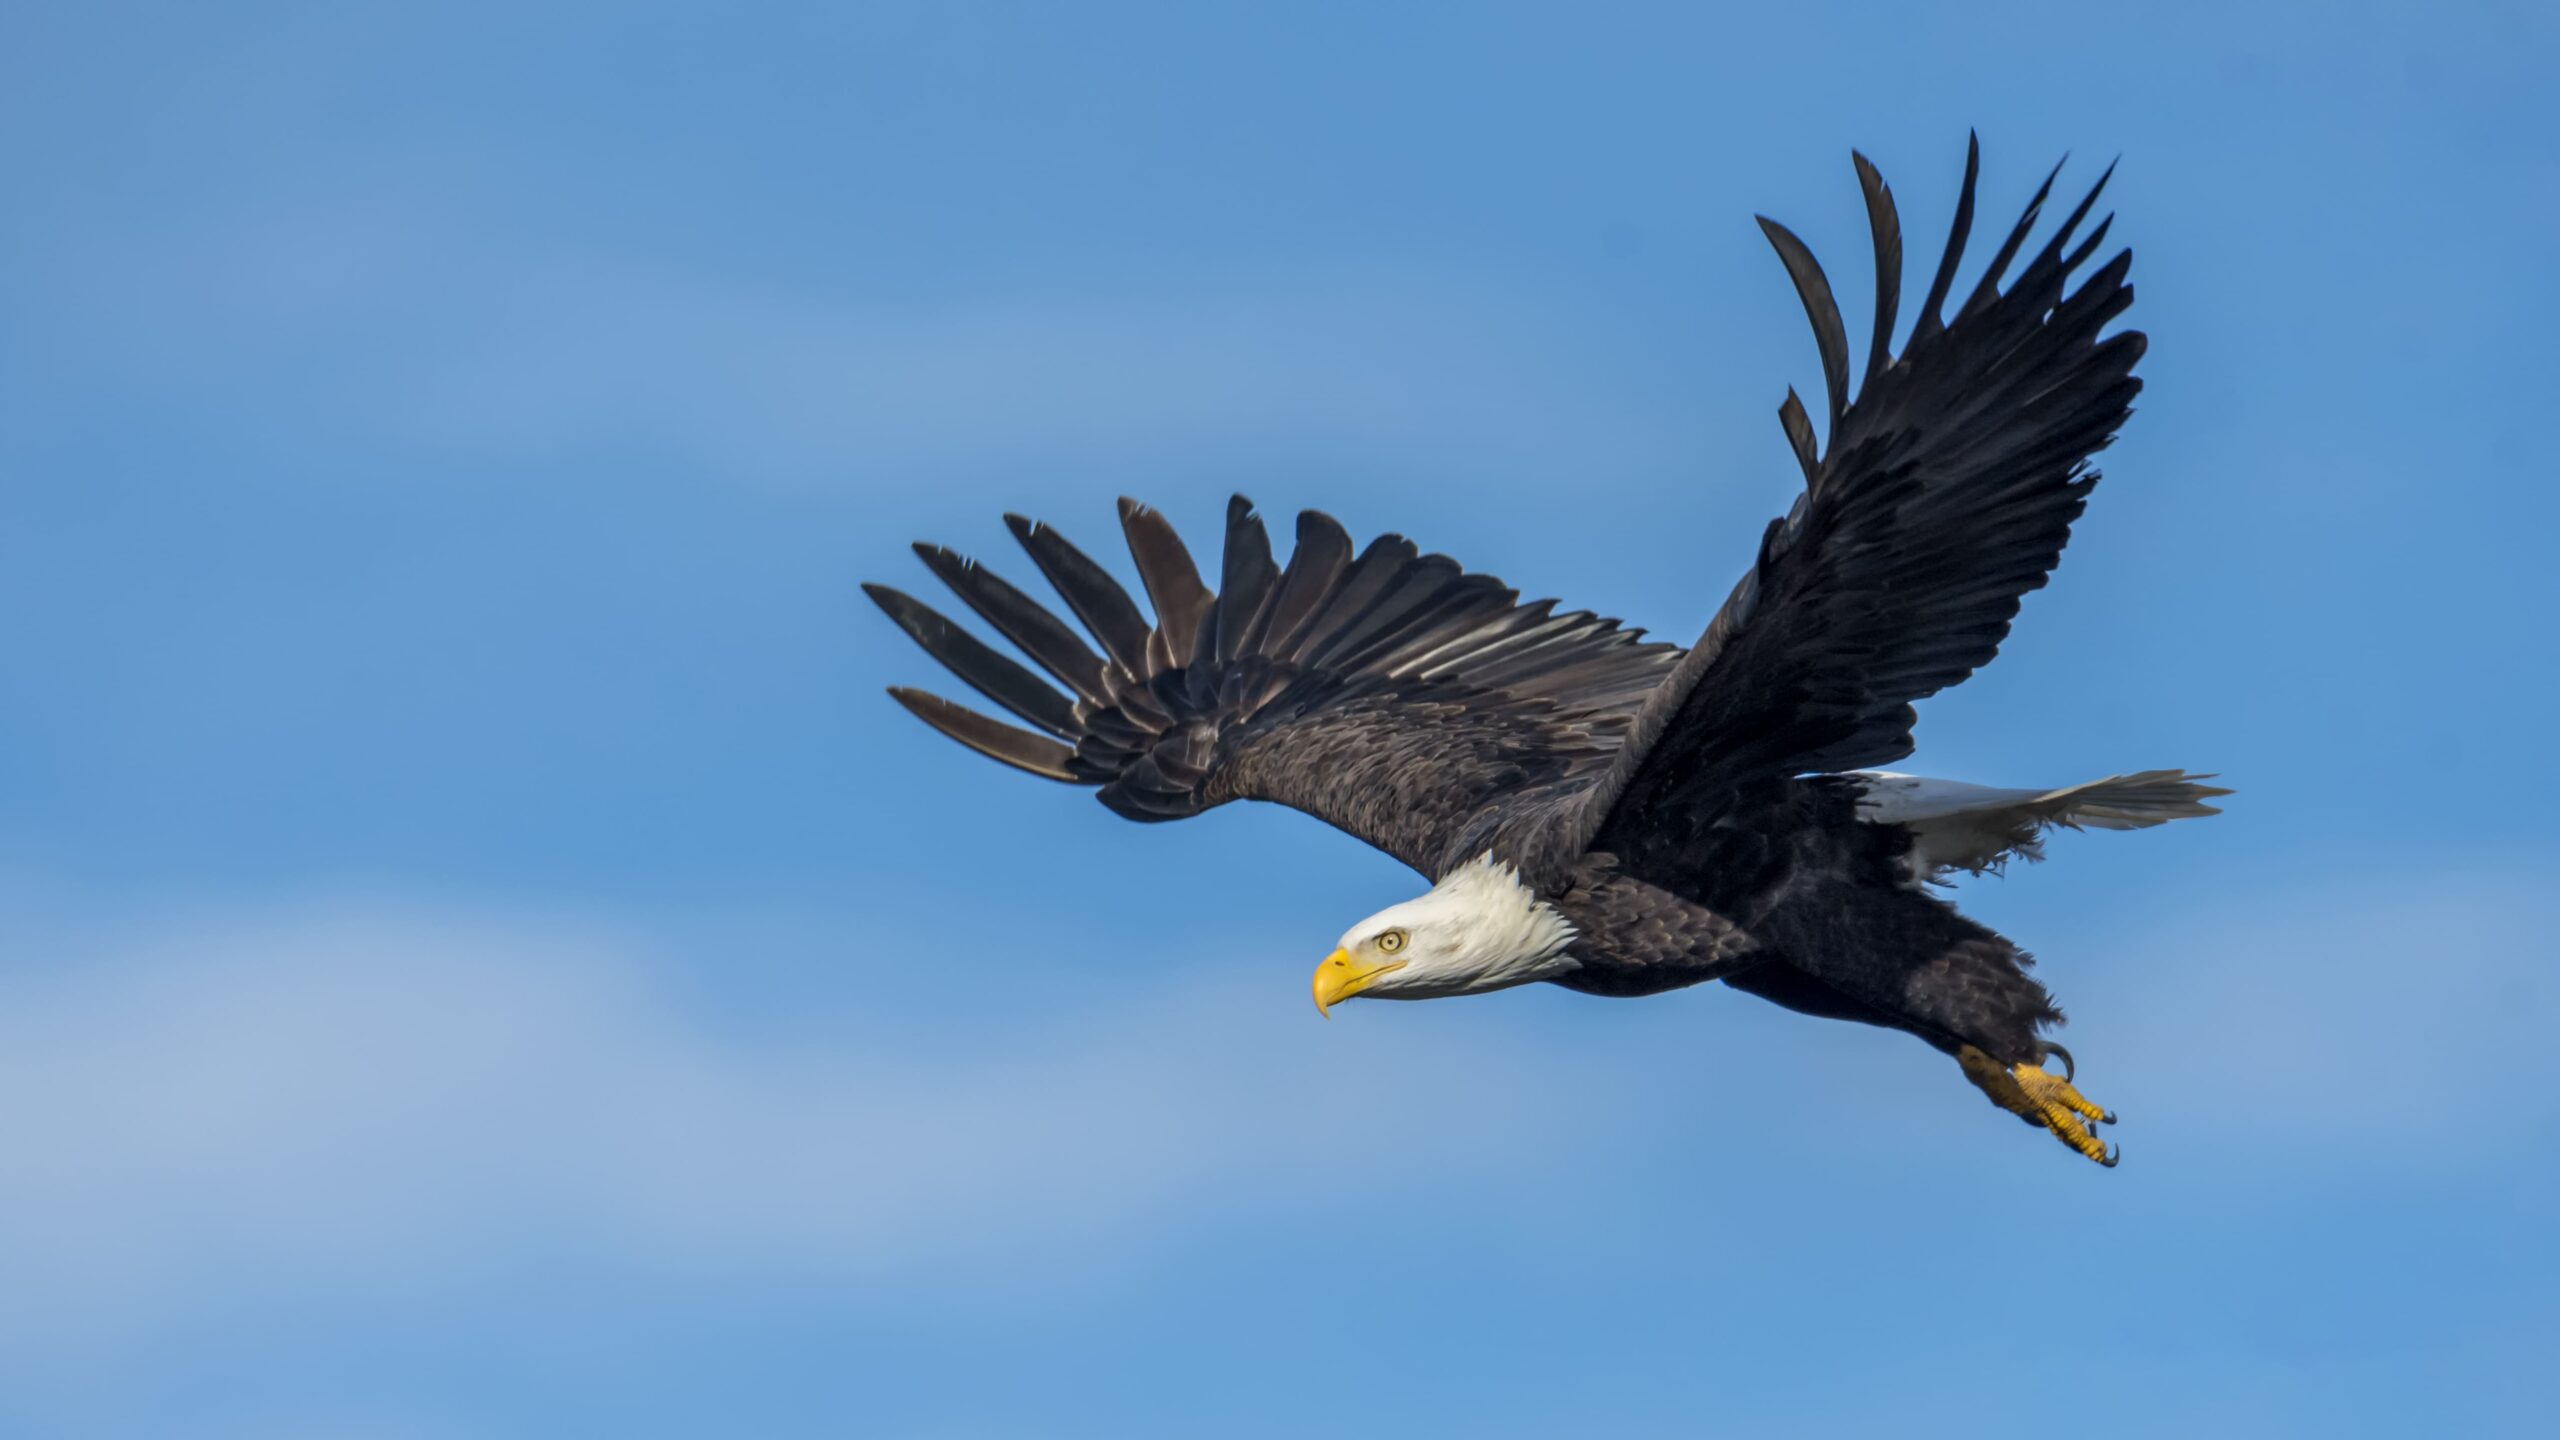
{"x":1393,"y":695}
{"x":1947,"y":493}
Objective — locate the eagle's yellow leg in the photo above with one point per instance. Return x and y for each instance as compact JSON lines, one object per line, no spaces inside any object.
{"x":2040,"y":1097}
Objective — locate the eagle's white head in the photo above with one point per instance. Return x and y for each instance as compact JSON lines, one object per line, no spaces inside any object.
{"x":1478,"y":929}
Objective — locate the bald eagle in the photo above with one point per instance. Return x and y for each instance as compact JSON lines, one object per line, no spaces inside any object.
{"x":1622,"y":817}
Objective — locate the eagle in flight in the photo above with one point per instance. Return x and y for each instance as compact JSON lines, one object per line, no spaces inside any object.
{"x":1622,"y":817}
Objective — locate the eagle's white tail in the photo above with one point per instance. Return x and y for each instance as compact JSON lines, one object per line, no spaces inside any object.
{"x":2136,"y":801}
{"x":1955,"y":826}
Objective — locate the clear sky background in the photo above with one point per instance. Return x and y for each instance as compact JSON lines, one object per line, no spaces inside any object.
{"x":479,"y":956}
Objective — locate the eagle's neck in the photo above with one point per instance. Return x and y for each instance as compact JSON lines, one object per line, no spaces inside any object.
{"x":1508,"y":935}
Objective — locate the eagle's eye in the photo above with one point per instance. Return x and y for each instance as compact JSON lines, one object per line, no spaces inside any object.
{"x":1391,"y":941}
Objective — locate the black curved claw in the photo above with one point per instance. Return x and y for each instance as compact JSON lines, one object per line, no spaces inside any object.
{"x":2070,"y":1071}
{"x":2114,"y":1154}
{"x":2107,"y":1119}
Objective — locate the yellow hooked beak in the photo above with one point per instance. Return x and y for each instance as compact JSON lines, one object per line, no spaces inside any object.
{"x":1340,"y":977}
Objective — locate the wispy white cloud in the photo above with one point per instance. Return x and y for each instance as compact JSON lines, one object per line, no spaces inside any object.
{"x":367,"y":1101}
{"x":370,"y":1098}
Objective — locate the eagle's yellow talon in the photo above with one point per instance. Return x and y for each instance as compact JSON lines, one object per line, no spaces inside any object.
{"x":2042,"y":1098}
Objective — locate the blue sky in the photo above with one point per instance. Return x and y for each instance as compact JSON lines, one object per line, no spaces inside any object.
{"x":480,"y":957}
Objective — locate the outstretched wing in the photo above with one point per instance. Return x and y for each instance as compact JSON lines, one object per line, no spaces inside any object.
{"x":1947,"y":493}
{"x":1389,"y":693}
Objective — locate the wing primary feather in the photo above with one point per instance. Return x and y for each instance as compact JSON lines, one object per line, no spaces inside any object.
{"x":1172,"y":581}
{"x":1438,"y":602}
{"x":1410,"y":590}
{"x":1814,"y":289}
{"x":994,"y":675}
{"x":1885,"y":224}
{"x":2053,"y":248}
{"x":1019,"y":748}
{"x":1987,"y":289}
{"x":1368,"y":578}
{"x":1315,"y":568}
{"x":1039,"y":634}
{"x":1097,"y":600}
{"x":2088,"y":247}
{"x":1932,"y":319}
{"x":1200,"y":667}
{"x":1478,"y":642}
{"x":1245,"y":576}
{"x":1799,"y":434}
